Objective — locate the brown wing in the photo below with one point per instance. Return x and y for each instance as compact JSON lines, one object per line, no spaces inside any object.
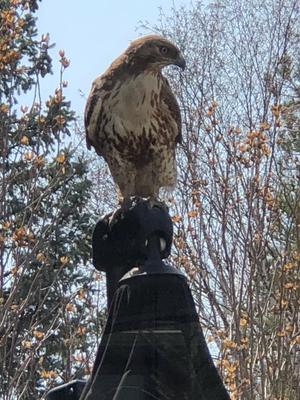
{"x":169,"y":99}
{"x":101,"y":89}
{"x":94,"y":100}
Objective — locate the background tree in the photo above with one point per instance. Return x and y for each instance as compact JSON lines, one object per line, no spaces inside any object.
{"x":48,"y":301}
{"x":236,"y":208}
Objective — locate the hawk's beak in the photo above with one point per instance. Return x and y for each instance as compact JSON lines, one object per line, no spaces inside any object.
{"x":180,"y":62}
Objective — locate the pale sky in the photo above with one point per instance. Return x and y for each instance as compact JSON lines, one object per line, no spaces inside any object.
{"x":92,"y":33}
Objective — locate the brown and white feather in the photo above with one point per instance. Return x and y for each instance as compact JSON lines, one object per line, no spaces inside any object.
{"x":133,"y":120}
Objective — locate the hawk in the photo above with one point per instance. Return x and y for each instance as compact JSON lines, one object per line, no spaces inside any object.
{"x":132,"y":118}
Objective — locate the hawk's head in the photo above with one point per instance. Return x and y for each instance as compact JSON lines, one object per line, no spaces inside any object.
{"x":154,"y":51}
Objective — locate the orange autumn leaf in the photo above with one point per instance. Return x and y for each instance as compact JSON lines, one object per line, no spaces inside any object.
{"x":61,"y":158}
{"x":6,"y":225}
{"x":4,"y":108}
{"x":289,"y":328}
{"x":230,"y":344}
{"x":28,"y":156}
{"x":231,"y":367}
{"x":64,"y":259}
{"x":243,"y":148}
{"x":39,"y":334}
{"x":70,"y":307}
{"x":39,"y":161}
{"x":243,"y":322}
{"x":81,"y":330}
{"x":27,"y":344}
{"x":48,"y":374}
{"x":41,"y":257}
{"x":60,"y":119}
{"x":289,"y":285}
{"x":233,"y":387}
{"x":289,"y":266}
{"x":244,"y":342}
{"x":266,"y":150}
{"x":265,"y":126}
{"x":65,"y":62}
{"x":276,"y":110}
{"x":281,"y":333}
{"x":15,"y":271}
{"x":176,"y":218}
{"x":284,"y":303}
{"x":24,"y":140}
{"x":193,"y":213}
{"x":19,"y":234}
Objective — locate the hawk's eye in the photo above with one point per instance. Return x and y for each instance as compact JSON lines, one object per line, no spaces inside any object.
{"x":164,"y":50}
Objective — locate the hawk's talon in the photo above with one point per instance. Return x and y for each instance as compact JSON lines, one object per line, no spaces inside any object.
{"x":154,"y":202}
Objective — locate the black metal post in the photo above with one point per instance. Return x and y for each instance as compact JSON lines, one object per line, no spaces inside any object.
{"x":152,"y":346}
